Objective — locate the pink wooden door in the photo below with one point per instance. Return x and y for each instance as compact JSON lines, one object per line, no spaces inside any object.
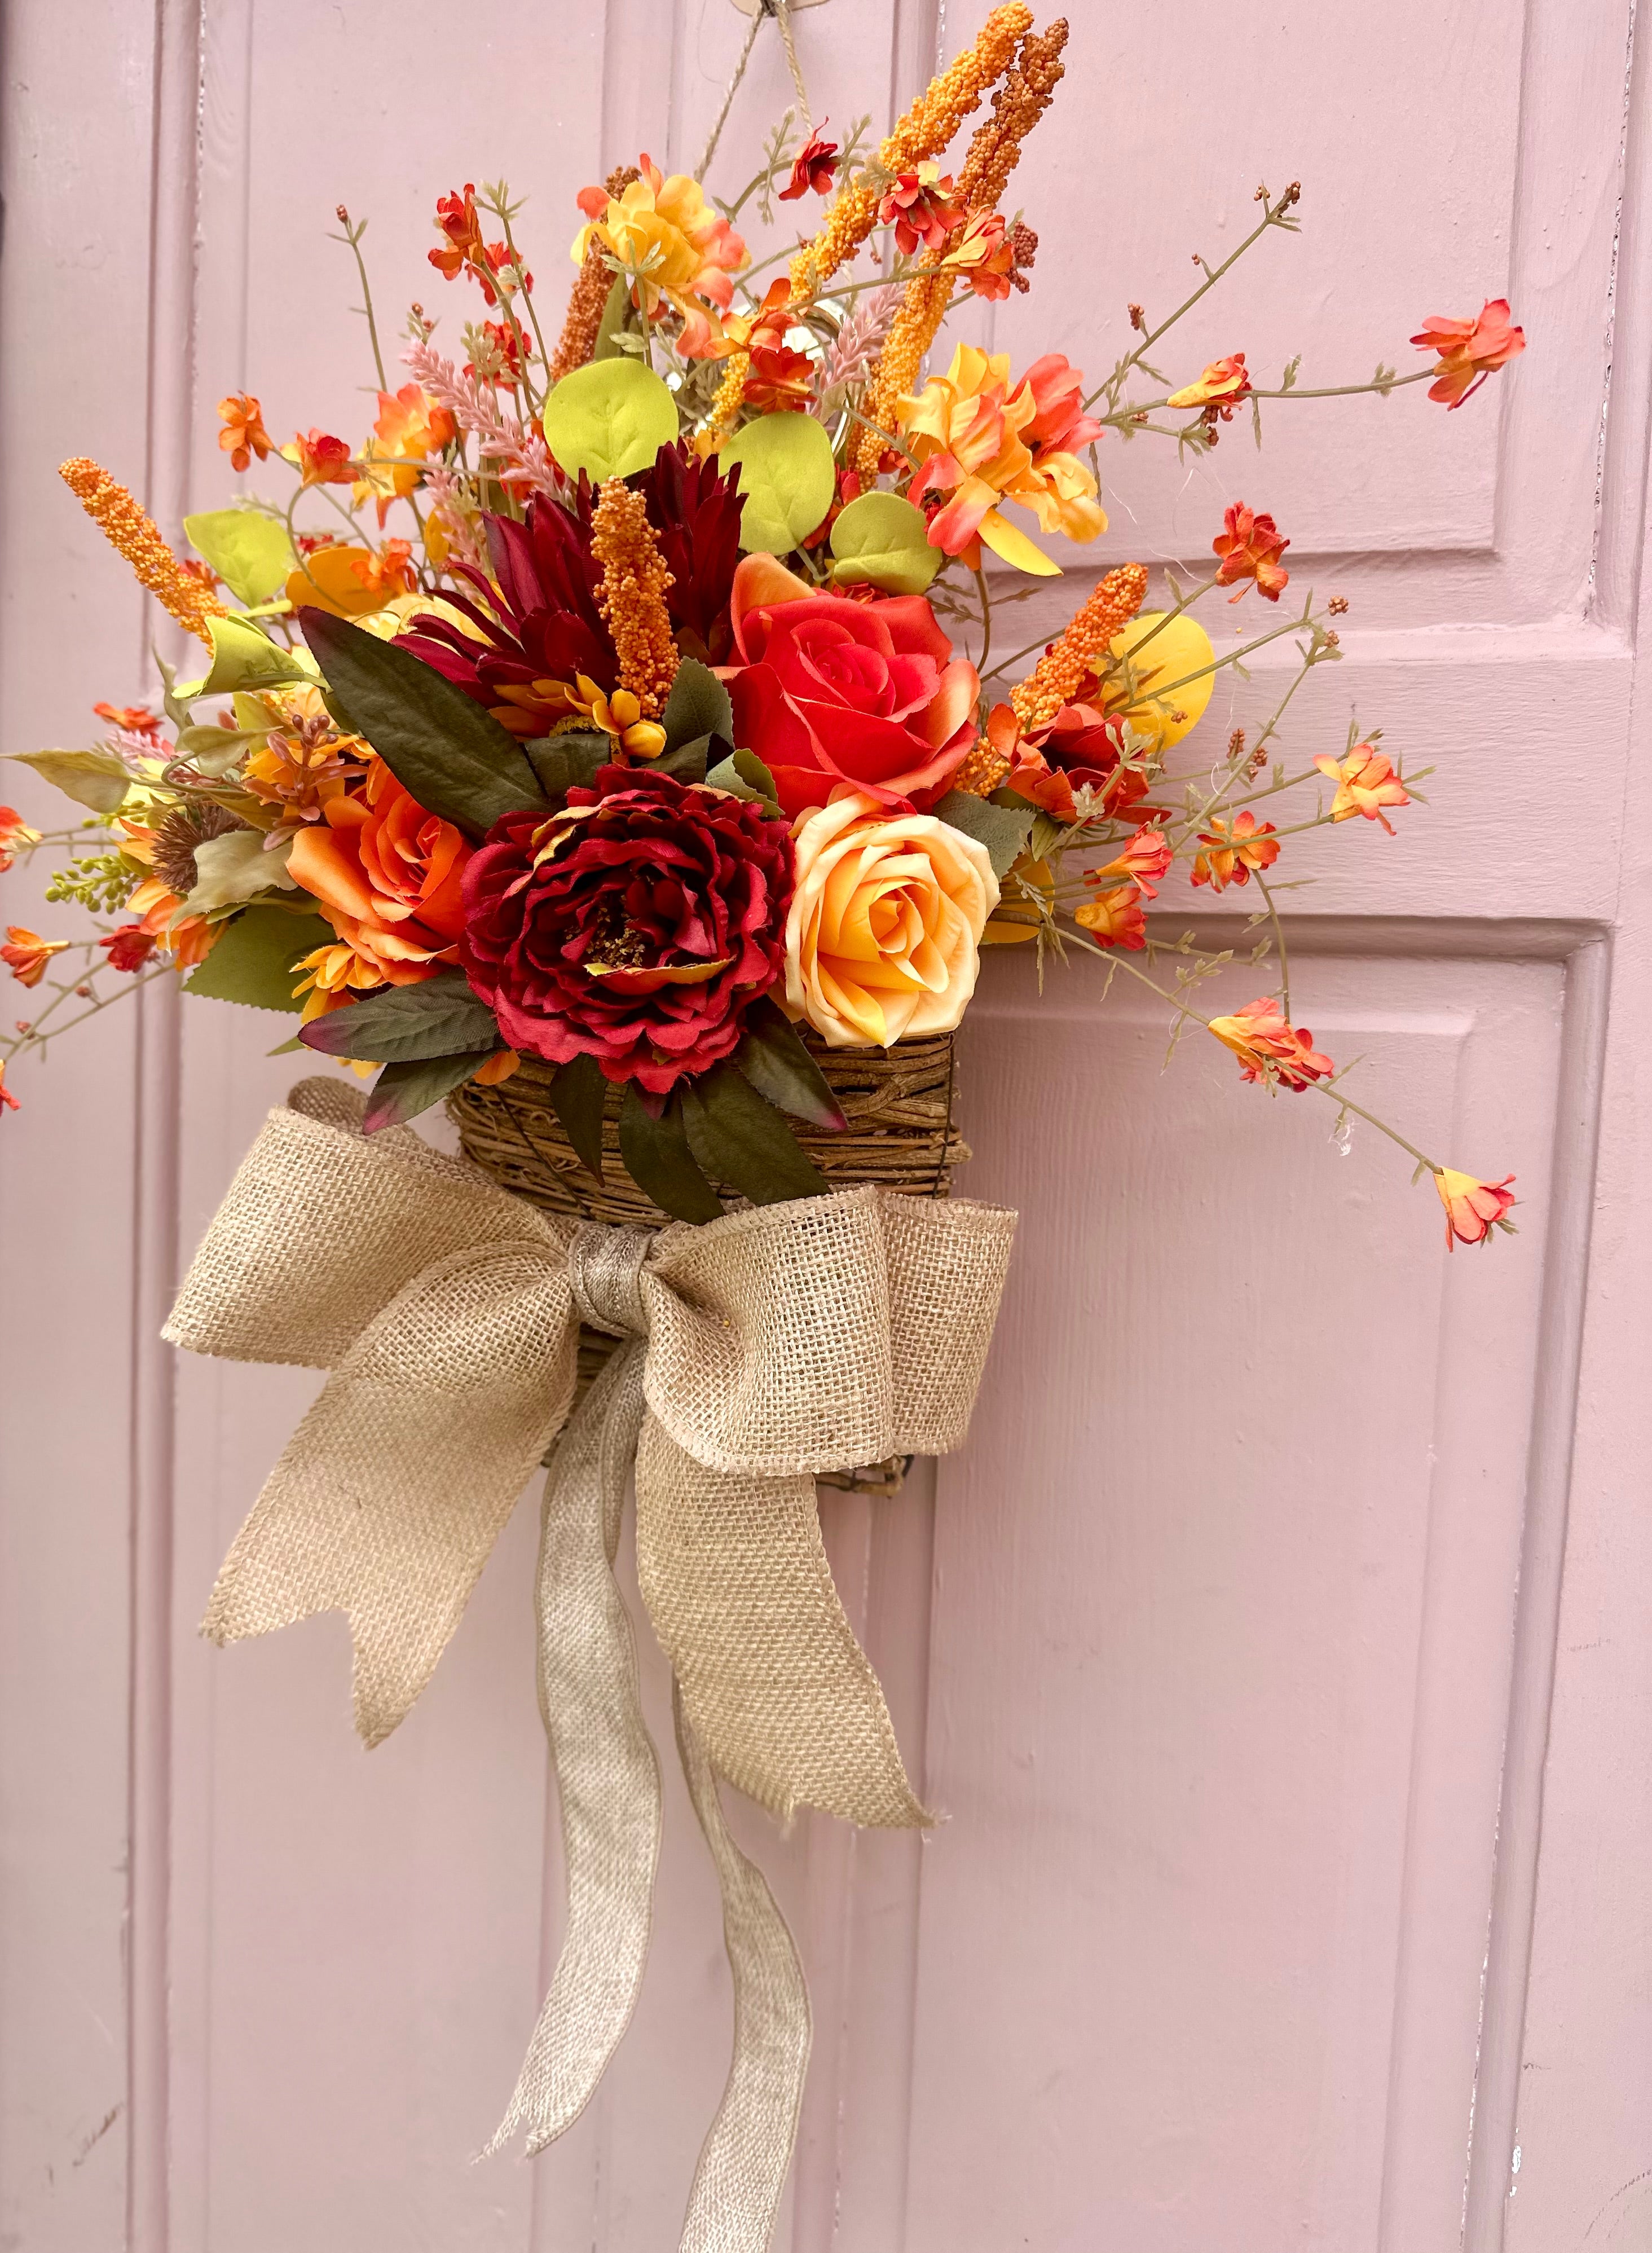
{"x":1278,"y":1648}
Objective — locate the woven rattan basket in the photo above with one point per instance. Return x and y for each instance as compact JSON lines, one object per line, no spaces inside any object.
{"x":900,"y":1135}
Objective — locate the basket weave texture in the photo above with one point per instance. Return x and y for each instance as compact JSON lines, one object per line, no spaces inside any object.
{"x":900,"y":1136}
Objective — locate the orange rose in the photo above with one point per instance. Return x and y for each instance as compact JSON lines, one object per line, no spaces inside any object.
{"x":386,"y":874}
{"x":883,"y":935}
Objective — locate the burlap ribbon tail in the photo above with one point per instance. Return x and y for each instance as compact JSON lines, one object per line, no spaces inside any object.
{"x":758,"y":1351}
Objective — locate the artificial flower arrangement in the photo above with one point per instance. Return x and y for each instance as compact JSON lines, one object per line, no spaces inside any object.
{"x":608,"y":745}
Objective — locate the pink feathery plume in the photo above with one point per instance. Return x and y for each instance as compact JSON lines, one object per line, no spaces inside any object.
{"x":442,"y":488}
{"x":857,"y":345}
{"x":520,"y":455}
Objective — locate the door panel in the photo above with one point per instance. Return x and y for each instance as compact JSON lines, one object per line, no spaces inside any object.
{"x":1228,"y":1646}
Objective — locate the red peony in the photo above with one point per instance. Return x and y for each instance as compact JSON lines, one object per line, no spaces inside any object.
{"x":828,"y":690}
{"x":635,"y":926}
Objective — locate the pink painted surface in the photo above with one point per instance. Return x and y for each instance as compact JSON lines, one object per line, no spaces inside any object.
{"x":1281,"y":1671}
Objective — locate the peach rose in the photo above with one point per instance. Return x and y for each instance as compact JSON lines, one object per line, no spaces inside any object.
{"x":883,"y":935}
{"x":386,"y":874}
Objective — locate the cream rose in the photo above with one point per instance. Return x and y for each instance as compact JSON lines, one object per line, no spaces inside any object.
{"x":883,"y":936}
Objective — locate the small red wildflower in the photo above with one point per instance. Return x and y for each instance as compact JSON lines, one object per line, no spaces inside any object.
{"x":817,"y":162}
{"x":129,"y":947}
{"x":1469,"y":350}
{"x":1251,"y":547}
{"x":457,"y":222}
{"x":131,"y":719}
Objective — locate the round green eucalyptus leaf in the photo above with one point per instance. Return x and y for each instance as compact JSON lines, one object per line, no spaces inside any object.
{"x":883,"y":541}
{"x":608,"y":419}
{"x":787,"y":479}
{"x":250,"y":552}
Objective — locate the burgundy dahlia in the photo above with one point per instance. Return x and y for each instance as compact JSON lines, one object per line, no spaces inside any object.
{"x":538,"y":622}
{"x":637,"y":926}
{"x":537,"y":625}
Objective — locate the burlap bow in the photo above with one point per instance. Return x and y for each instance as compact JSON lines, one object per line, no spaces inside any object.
{"x":760,"y":1348}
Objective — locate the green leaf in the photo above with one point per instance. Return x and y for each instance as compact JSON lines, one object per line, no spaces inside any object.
{"x":1047,"y":834}
{"x":740,"y":1139}
{"x":173,"y":703}
{"x":610,"y":418}
{"x":402,"y":1090}
{"x":453,"y":757}
{"x":698,"y":705}
{"x":93,"y":778}
{"x":243,"y":658}
{"x":1000,"y":828}
{"x":235,"y":867}
{"x":743,"y":774}
{"x":439,"y":1017}
{"x":658,"y":1160}
{"x":617,"y":309}
{"x":774,"y":1059}
{"x":214,"y":750}
{"x":250,"y":552}
{"x":881,"y":540}
{"x":562,"y":761}
{"x":252,"y":716}
{"x":579,"y":1097}
{"x":688,"y":762}
{"x":787,"y":478}
{"x":255,"y":961}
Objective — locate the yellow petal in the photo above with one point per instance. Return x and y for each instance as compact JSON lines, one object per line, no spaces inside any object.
{"x":1014,"y":547}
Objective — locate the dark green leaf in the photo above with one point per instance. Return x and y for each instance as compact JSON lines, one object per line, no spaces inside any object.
{"x":452,"y":755}
{"x":439,"y":1017}
{"x":687,"y":761}
{"x":562,"y":761}
{"x":658,"y":1160}
{"x":615,"y":320}
{"x":774,"y":1059}
{"x":743,"y":775}
{"x":698,"y":705}
{"x":741,"y":1140}
{"x":255,"y":961}
{"x":579,"y":1096}
{"x":1000,"y":828}
{"x":402,"y":1090}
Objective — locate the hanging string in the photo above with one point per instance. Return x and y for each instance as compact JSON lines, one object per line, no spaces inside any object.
{"x":704,"y":165}
{"x":780,"y":9}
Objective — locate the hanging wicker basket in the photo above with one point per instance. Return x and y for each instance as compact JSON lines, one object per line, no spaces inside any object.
{"x":900,"y":1136}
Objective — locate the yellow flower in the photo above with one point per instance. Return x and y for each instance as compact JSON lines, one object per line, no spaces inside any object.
{"x":340,"y":578}
{"x":662,"y":230}
{"x":884,"y":931}
{"x":1170,"y":662}
{"x":978,"y":442}
{"x":337,"y":972}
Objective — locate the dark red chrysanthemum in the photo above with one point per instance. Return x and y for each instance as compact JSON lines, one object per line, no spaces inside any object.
{"x":537,"y":618}
{"x":635,"y":926}
{"x":694,"y":507}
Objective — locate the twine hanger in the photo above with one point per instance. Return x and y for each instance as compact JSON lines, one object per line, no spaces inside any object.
{"x":780,"y":11}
